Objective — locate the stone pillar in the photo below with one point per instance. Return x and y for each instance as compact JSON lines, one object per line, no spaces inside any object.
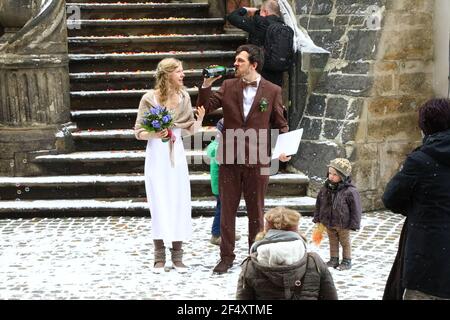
{"x":217,"y":8}
{"x":34,"y":83}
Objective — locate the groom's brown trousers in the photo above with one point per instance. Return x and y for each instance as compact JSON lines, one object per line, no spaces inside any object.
{"x":235,"y":179}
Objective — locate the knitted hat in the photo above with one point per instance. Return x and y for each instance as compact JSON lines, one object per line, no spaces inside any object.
{"x":341,"y":165}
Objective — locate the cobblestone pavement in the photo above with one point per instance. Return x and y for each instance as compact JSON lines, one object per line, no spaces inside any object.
{"x":111,"y":258}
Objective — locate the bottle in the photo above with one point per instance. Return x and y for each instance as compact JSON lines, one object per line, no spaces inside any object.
{"x":214,"y":71}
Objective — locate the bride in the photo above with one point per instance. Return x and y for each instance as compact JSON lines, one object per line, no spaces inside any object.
{"x":166,"y":173}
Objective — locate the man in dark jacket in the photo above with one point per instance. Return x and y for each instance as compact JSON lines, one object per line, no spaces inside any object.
{"x":256,"y":26}
{"x":421,"y":192}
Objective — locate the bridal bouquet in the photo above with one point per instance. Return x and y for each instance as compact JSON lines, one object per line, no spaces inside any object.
{"x":157,"y":119}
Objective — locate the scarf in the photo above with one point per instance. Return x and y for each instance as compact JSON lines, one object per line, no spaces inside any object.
{"x":183,"y":116}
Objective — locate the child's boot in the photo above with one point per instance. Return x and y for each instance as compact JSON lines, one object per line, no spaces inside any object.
{"x":346,"y":264}
{"x":333,"y":262}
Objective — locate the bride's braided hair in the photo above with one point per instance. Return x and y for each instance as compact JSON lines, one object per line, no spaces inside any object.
{"x":164,"y":68}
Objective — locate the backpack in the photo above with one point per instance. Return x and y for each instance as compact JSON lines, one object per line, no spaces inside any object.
{"x":278,"y":46}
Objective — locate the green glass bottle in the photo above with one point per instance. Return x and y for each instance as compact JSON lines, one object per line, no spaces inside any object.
{"x":216,"y":71}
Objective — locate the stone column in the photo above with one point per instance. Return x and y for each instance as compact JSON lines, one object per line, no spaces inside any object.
{"x":34,"y":82}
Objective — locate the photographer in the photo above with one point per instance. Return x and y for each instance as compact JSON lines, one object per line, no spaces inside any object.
{"x":256,"y":22}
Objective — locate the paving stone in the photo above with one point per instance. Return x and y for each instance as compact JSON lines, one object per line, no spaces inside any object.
{"x":99,"y":260}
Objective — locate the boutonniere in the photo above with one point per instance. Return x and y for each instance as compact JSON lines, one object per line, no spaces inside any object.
{"x":263,"y":104}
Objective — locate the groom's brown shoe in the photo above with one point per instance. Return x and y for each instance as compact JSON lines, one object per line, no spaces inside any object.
{"x":222,"y":266}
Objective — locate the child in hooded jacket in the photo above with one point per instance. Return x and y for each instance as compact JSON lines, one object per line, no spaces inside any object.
{"x":338,"y":207}
{"x":211,"y":152}
{"x":279,"y":266}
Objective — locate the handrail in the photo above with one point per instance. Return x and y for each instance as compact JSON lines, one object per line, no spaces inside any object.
{"x":47,"y":8}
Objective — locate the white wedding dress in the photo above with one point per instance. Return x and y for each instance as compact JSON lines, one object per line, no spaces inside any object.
{"x":168,"y":190}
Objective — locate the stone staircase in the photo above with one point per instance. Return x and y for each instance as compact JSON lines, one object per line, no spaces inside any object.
{"x":112,"y":58}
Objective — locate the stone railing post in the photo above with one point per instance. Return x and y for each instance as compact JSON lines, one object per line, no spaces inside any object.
{"x":34,"y":80}
{"x":217,"y":8}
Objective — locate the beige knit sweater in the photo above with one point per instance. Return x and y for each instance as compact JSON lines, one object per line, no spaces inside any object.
{"x":183,"y":116}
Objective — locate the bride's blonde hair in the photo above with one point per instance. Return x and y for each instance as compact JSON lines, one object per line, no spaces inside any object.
{"x":280,"y":218}
{"x":164,"y":68}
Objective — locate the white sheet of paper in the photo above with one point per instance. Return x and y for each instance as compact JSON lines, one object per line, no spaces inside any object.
{"x":287,"y":143}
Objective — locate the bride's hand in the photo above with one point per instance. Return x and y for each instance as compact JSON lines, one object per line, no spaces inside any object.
{"x":200,"y":113}
{"x":162,"y":134}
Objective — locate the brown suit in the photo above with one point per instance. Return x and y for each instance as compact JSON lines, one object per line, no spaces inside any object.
{"x":239,"y":175}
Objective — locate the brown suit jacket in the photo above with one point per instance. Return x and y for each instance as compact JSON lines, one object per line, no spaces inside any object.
{"x":254,"y":136}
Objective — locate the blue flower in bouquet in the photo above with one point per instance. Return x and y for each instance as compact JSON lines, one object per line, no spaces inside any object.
{"x":166,"y":118}
{"x":156,"y":110}
{"x":157,"y":119}
{"x":156,"y":124}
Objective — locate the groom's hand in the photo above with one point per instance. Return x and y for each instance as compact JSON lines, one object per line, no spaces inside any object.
{"x":207,"y":82}
{"x":284,"y":158}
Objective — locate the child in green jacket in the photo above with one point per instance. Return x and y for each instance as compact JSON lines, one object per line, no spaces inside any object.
{"x":211,"y":152}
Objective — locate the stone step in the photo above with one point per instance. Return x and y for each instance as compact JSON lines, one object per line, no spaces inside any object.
{"x":145,"y":9}
{"x":129,"y":206}
{"x":134,"y":27}
{"x":149,"y":42}
{"x":75,"y":2}
{"x":80,"y":100}
{"x":125,"y":185}
{"x":146,"y":60}
{"x":97,"y":81}
{"x":121,"y":118}
{"x":104,"y":162}
{"x":110,"y":156}
{"x":124,"y":139}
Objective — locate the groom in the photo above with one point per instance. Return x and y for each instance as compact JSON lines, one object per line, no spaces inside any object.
{"x":251,"y":107}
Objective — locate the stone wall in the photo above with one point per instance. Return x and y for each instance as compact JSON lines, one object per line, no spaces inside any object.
{"x":441,"y":39}
{"x":364,"y":106}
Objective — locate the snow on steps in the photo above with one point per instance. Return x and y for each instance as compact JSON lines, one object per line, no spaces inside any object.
{"x":87,"y":40}
{"x":198,"y":178}
{"x":125,"y":74}
{"x":153,"y":55}
{"x":144,"y":22}
{"x":107,"y":113}
{"x":122,"y":133}
{"x":124,"y":155}
{"x":124,"y":93}
{"x":98,"y":207}
{"x":142,"y":5}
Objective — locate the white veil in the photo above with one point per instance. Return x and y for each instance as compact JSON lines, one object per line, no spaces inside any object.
{"x":302,"y":41}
